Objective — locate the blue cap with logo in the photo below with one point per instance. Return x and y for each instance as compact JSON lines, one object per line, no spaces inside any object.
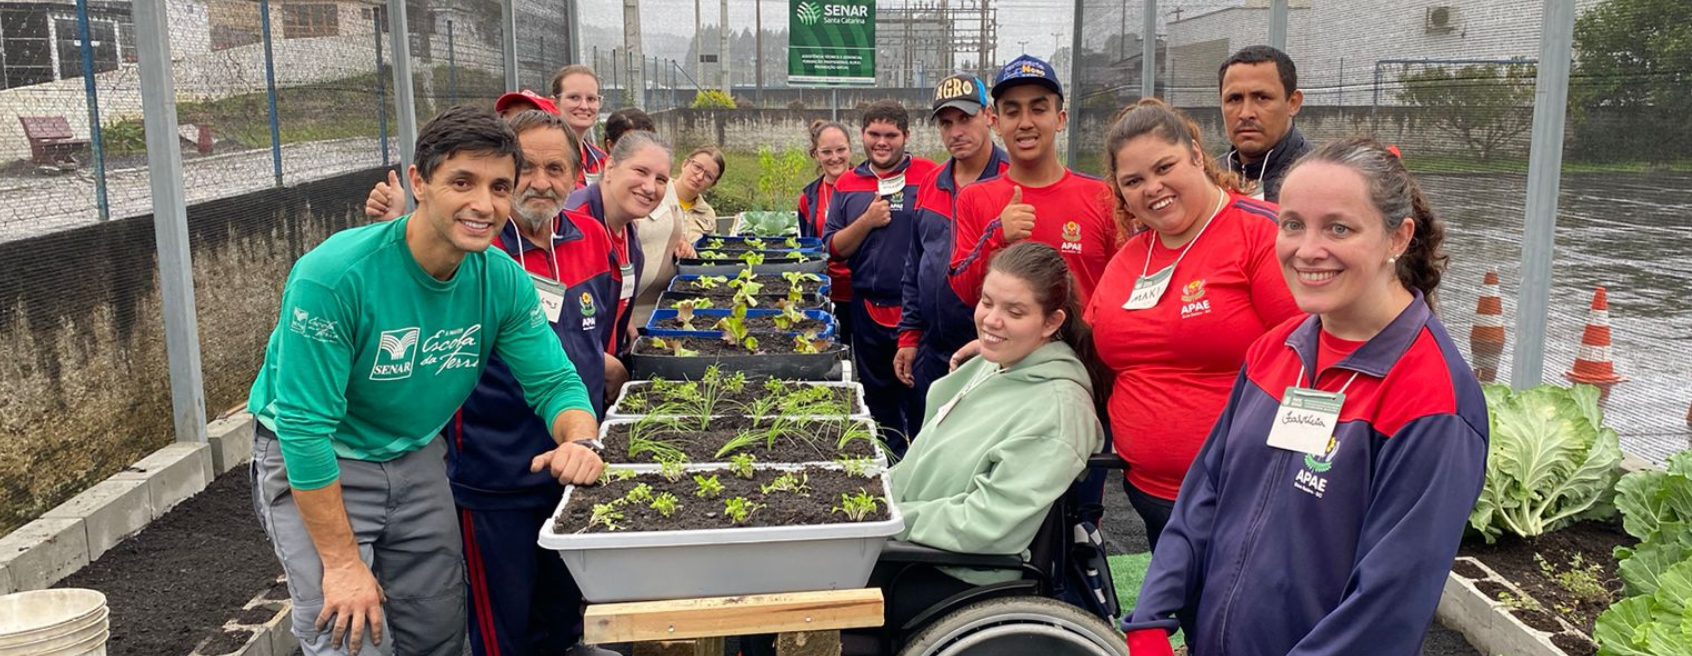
{"x":1026,"y":69}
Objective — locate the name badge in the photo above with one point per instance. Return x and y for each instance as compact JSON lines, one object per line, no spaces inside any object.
{"x":1306,"y":420}
{"x":592,"y":177}
{"x":551,"y":297}
{"x":890,"y":186}
{"x":1148,"y":289}
{"x":627,"y":273}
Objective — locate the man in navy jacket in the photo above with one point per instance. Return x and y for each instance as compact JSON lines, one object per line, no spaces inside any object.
{"x":870,"y":222}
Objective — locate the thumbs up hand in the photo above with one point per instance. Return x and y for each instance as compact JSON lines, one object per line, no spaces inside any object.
{"x":1017,"y":219}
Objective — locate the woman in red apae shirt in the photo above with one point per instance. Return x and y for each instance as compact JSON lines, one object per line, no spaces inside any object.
{"x":831,"y":147}
{"x":1180,"y":302}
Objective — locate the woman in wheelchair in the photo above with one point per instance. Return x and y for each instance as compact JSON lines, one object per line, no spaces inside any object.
{"x":1004,"y":435}
{"x":1324,"y":510}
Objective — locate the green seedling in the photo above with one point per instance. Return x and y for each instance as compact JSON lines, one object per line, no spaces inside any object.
{"x":639,"y":494}
{"x":715,"y":243}
{"x":713,"y":255}
{"x":674,"y":345}
{"x":755,"y":244}
{"x":684,"y":310}
{"x":791,"y":242}
{"x":790,"y":315}
{"x":612,"y":474}
{"x":751,"y":343}
{"x":774,"y":385}
{"x":734,"y":325}
{"x":666,"y":504}
{"x":752,"y":258}
{"x":736,"y":382}
{"x":709,"y":282}
{"x":789,"y":482}
{"x":857,"y":506}
{"x":807,"y":343}
{"x":709,"y":487}
{"x":741,"y":464}
{"x":739,"y":509}
{"x":672,"y":470}
{"x":856,"y":466}
{"x":607,"y":515}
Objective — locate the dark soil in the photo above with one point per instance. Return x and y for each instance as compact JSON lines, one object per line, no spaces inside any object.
{"x":694,"y":512}
{"x":1468,"y":570}
{"x":768,"y":343}
{"x":807,"y":300}
{"x":1574,"y":645}
{"x":1538,"y":619}
{"x":226,"y":642}
{"x":1592,"y":542}
{"x":759,"y":323}
{"x":176,"y":582}
{"x":1492,"y":589}
{"x":808,"y":441}
{"x":642,"y":399}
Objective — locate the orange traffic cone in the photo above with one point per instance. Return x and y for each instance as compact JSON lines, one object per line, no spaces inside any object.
{"x":1592,"y":364}
{"x":1486,"y":337}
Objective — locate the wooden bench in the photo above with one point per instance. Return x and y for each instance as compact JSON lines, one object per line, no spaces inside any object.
{"x":50,"y":139}
{"x":805,"y":623}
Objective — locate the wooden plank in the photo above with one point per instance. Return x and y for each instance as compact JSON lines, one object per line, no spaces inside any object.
{"x":725,"y":616}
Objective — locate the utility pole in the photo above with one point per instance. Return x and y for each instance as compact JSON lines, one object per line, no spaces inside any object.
{"x":698,"y":44}
{"x":633,"y":60}
{"x":758,"y":44}
{"x":1022,"y":44}
{"x":723,"y":48}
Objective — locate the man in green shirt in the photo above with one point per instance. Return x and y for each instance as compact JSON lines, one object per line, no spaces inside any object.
{"x":385,"y":330}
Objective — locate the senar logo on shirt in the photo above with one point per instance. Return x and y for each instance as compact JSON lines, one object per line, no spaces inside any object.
{"x":395,"y":353}
{"x":1072,"y":237}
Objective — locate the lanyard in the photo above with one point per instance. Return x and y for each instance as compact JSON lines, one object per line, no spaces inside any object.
{"x":1342,"y":388}
{"x":550,"y":256}
{"x":986,"y":373}
{"x":1151,"y":240}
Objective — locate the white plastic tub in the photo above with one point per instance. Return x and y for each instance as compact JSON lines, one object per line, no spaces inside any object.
{"x":55,"y":621}
{"x":635,"y":566}
{"x":616,"y":411}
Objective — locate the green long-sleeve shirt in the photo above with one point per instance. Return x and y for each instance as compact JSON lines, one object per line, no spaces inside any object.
{"x":372,"y":355}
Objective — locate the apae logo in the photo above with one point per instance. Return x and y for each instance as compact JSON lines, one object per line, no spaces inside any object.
{"x":1308,"y":480}
{"x":586,"y":302}
{"x":1193,"y":302}
{"x":809,"y":13}
{"x":1071,"y":237}
{"x":394,"y":354}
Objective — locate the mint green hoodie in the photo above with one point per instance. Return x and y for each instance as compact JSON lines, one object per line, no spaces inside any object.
{"x":983,"y":479}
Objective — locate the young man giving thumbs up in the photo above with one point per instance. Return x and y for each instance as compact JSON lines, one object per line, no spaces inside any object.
{"x":1038,"y":198}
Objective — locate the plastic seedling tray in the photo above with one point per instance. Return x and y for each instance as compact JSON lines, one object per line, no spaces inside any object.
{"x":647,"y":566}
{"x":733,"y":269}
{"x":774,"y":243}
{"x":792,"y":366}
{"x":808,"y":301}
{"x":859,"y":408}
{"x":684,"y":283}
{"x":880,"y":457}
{"x":708,"y":317}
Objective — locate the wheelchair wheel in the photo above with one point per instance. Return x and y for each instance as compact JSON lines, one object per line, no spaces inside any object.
{"x":1017,"y":626}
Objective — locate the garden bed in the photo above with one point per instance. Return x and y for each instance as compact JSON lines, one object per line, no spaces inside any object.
{"x":757,"y":396}
{"x":162,"y":600}
{"x":807,"y":300}
{"x":770,"y":440}
{"x":814,"y":503}
{"x":768,"y":343}
{"x":772,"y":286}
{"x":1568,"y":573}
{"x":754,"y":322}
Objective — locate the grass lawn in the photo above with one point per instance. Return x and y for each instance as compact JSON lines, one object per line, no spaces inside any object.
{"x":1127,"y":571}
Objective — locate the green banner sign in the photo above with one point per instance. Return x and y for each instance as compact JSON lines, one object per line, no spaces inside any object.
{"x":831,"y":43}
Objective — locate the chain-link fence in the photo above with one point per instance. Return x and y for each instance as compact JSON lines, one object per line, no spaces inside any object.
{"x":285,"y":115}
{"x":1452,"y":83}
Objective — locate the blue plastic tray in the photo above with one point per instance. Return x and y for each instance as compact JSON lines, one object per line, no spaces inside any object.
{"x":709,"y":317}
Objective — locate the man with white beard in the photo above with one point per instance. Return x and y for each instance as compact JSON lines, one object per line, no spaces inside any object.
{"x":522,"y":599}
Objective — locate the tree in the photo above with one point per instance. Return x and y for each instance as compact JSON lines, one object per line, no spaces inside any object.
{"x":1633,"y":80}
{"x":1485,"y":106}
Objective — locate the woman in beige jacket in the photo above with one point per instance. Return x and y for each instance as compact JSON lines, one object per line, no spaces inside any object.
{"x":680,"y":219}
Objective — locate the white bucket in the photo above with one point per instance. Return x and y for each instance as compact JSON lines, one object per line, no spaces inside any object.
{"x":60,"y":622}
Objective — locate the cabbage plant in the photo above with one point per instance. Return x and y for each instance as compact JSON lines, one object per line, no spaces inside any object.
{"x":1550,"y":461}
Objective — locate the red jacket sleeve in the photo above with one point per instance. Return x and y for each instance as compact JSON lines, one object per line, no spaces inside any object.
{"x":976,"y":237}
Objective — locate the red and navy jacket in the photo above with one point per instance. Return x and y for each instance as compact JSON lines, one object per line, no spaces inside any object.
{"x":589,"y":203}
{"x":933,"y":316}
{"x":879,"y":264}
{"x":1272,"y":551}
{"x":492,"y":439}
{"x":813,"y":215}
{"x":593,"y":162}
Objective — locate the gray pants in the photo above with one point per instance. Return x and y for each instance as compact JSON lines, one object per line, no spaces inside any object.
{"x":402,"y":517}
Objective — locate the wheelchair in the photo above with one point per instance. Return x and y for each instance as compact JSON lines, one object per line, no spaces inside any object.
{"x":1064,"y":604}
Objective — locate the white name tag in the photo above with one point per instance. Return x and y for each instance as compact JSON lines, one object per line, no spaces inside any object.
{"x":1306,"y":420}
{"x":627,"y":273}
{"x":551,"y":297}
{"x":592,"y":177}
{"x":1148,"y":289}
{"x":890,"y":186}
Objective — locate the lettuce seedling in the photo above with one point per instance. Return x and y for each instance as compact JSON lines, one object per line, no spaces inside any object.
{"x":666,"y":504}
{"x":709,"y":487}
{"x":857,"y":506}
{"x":739,"y":509}
{"x":741,"y":464}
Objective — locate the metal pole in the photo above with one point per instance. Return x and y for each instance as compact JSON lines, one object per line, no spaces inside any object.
{"x":405,"y":98}
{"x":1148,"y":50}
{"x":452,"y":66}
{"x":1074,"y":88}
{"x":170,"y":222}
{"x":270,"y":93}
{"x":723,"y":47}
{"x":96,"y":138}
{"x":834,"y":104}
{"x":381,"y":93}
{"x":1278,"y":24}
{"x":508,"y":43}
{"x":1545,"y":166}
